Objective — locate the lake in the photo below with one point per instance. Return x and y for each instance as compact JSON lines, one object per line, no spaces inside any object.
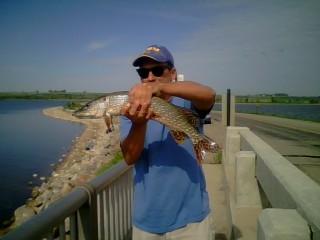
{"x":29,"y":143}
{"x":310,"y":112}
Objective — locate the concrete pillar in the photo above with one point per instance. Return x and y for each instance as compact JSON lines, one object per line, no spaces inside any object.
{"x":233,"y":143}
{"x":247,"y":191}
{"x":282,"y":224}
{"x":180,"y":78}
{"x":232,"y":147}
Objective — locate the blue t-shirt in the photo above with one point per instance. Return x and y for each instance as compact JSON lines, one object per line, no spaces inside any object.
{"x":169,"y":184}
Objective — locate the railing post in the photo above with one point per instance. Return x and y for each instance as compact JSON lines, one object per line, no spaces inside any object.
{"x":284,"y":224}
{"x":228,"y":106}
{"x":247,"y":191}
{"x":228,"y":109}
{"x":87,"y":217}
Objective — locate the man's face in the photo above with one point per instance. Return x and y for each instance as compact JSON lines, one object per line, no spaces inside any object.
{"x":153,"y":71}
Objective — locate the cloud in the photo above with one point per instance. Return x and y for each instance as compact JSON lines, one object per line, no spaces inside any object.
{"x":98,"y":44}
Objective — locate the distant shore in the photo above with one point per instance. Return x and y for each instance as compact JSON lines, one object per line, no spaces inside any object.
{"x":83,"y":96}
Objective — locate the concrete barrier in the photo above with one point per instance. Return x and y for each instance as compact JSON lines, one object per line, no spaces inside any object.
{"x":247,"y":192}
{"x":285,"y":186}
{"x":282,"y":224}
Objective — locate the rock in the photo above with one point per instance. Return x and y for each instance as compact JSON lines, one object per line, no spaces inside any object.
{"x":55,"y":197}
{"x":22,"y":214}
{"x":47,"y":194}
{"x":39,"y":208}
{"x":35,"y":192}
{"x":66,"y":189}
{"x":81,"y":179}
{"x":34,"y":203}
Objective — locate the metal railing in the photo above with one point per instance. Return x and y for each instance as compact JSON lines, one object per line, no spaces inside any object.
{"x":98,"y":209}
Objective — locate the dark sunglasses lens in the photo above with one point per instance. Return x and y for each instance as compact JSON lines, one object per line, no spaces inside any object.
{"x":156,"y":71}
{"x":143,"y":72}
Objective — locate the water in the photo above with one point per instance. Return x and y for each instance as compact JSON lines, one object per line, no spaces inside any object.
{"x":298,"y":111}
{"x":29,"y":143}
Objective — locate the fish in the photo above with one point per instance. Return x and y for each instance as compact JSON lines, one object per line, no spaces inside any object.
{"x":182,"y":122}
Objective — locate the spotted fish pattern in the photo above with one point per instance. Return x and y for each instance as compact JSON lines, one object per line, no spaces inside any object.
{"x":182,"y":122}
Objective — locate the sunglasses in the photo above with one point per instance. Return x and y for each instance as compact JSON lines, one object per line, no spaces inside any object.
{"x":157,"y":71}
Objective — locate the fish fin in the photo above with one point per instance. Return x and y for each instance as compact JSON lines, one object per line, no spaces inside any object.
{"x":178,"y":136}
{"x":205,"y":144}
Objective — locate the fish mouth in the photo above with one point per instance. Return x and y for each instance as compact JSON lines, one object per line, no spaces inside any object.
{"x":79,"y":112}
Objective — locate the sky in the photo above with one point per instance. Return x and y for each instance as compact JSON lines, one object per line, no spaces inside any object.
{"x":248,"y":46}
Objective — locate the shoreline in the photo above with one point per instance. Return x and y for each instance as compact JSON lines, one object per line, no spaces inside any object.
{"x":77,"y":166}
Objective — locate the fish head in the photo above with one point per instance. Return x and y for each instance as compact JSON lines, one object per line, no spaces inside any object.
{"x":92,"y":109}
{"x":110,"y":104}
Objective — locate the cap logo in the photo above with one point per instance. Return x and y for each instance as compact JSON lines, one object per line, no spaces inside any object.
{"x":149,"y":49}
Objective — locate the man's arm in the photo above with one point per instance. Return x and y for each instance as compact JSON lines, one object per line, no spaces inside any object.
{"x":139,"y":112}
{"x":132,"y":144}
{"x":201,"y":96}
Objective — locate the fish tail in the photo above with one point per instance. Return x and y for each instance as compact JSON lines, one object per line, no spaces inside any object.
{"x":205,"y":144}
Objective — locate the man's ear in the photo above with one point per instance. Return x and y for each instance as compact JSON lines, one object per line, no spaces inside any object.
{"x":173,"y":72}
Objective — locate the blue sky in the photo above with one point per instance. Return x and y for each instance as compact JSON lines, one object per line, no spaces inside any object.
{"x":249,"y":46}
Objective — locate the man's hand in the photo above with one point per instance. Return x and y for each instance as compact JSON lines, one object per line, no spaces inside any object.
{"x":138,"y":108}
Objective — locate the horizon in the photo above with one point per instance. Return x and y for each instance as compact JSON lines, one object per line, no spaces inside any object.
{"x":278,"y":94}
{"x":250,"y":47}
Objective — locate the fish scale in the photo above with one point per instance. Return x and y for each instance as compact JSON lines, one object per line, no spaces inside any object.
{"x":181,"y":122}
{"x":174,"y":118}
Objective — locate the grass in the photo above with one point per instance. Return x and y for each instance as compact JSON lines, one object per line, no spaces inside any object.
{"x":218,"y":157}
{"x":49,"y":95}
{"x":72,"y":105}
{"x":117,"y":157}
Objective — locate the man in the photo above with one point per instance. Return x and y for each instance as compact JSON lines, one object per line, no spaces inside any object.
{"x":170,"y":197}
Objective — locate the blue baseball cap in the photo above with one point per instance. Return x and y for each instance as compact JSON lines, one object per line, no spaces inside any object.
{"x":155,"y":52}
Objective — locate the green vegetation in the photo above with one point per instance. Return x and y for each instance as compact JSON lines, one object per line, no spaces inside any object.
{"x":84,"y":96}
{"x":218,"y":157}
{"x":49,"y":95}
{"x":72,"y":105}
{"x":275,"y":98}
{"x":115,"y":159}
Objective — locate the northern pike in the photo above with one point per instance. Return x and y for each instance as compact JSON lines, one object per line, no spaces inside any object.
{"x":182,"y":122}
